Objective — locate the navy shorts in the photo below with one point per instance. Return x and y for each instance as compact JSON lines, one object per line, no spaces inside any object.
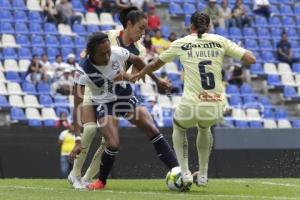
{"x":118,"y":108}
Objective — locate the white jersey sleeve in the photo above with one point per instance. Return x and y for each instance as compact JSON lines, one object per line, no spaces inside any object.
{"x":80,"y":77}
{"x":62,"y":135}
{"x":121,"y":53}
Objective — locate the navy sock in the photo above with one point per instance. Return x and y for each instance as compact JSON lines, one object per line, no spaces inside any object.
{"x":107,"y":161}
{"x":164,"y":151}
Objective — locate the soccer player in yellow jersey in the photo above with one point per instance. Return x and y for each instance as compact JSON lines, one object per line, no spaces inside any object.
{"x":203,"y":99}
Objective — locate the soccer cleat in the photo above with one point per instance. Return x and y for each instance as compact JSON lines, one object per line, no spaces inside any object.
{"x":201,"y":180}
{"x":75,"y":182}
{"x":85,"y":182}
{"x":187,"y":181}
{"x":97,"y":185}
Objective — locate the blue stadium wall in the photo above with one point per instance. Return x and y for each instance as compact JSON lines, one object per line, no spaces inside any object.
{"x":34,"y":153}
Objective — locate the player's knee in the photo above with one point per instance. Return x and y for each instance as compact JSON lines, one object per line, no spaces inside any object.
{"x":113,"y":144}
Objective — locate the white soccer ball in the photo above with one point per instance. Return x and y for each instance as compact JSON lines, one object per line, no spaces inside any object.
{"x":174,"y":180}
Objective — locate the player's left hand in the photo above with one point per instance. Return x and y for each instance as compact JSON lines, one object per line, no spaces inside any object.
{"x":164,"y":84}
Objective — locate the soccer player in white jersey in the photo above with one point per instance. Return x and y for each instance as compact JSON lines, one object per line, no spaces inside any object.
{"x":103,"y":71}
{"x":203,"y":98}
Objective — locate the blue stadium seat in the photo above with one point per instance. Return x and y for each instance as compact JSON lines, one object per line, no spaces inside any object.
{"x":92,"y":29}
{"x":289,"y":93}
{"x":165,"y":31}
{"x":79,"y":30}
{"x":275,"y":22}
{"x":268,"y":56}
{"x":201,"y":6}
{"x":221,"y":31}
{"x":289,"y":22}
{"x":175,"y":9}
{"x":235,"y":100}
{"x":7,"y":28}
{"x":49,"y":123}
{"x":46,"y":100}
{"x":187,"y":20}
{"x":274,"y":80}
{"x":246,"y":89}
{"x":52,"y":53}
{"x":35,"y":28}
{"x":3,"y":102}
{"x":9,"y":53}
{"x":189,"y":8}
{"x":297,"y":10}
{"x":43,"y":88}
{"x":77,"y":6}
{"x":256,"y":69}
{"x":52,"y":41}
{"x":167,"y":112}
{"x":37,"y":41}
{"x":21,"y":28}
{"x":232,"y":90}
{"x":66,"y":51}
{"x":61,"y":101}
{"x":124,"y":123}
{"x":255,"y":124}
{"x":295,"y":45}
{"x":241,"y":124}
{"x":251,"y":44}
{"x":268,"y":113}
{"x":13,"y":76}
{"x":296,"y":68}
{"x":17,"y":114}
{"x":250,"y":33}
{"x":235,"y":33}
{"x":286,"y":10}
{"x":34,"y":123}
{"x":29,"y":88}
{"x":258,"y":56}
{"x":265,"y":45}
{"x":292,"y":33}
{"x":296,"y":123}
{"x":5,"y":5}
{"x":264,"y":101}
{"x":20,"y":16}
{"x":263,"y":33}
{"x":23,"y":40}
{"x":60,"y":110}
{"x":24,"y":53}
{"x":80,"y":42}
{"x":281,"y":113}
{"x":35,"y":17}
{"x":168,"y":122}
{"x":38,"y":51}
{"x":67,"y":41}
{"x":106,"y":27}
{"x":19,"y":5}
{"x":276,"y":33}
{"x":6,"y":16}
{"x":261,"y":21}
{"x":248,"y":99}
{"x":50,"y":28}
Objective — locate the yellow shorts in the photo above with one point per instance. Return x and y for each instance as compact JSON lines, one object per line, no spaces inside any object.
{"x":204,"y":115}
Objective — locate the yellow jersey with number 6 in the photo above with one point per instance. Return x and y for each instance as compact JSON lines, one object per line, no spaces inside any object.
{"x":202,"y":60}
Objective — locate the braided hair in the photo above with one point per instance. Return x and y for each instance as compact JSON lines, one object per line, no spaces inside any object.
{"x":201,"y":22}
{"x":132,"y":14}
{"x":94,"y":40}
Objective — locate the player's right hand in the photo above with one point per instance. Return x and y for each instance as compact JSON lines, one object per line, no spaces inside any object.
{"x":76,"y":150}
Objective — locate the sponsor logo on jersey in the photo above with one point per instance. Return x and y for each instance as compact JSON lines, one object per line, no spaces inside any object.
{"x":190,"y":46}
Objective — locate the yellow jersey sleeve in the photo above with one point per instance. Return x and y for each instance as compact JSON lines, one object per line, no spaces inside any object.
{"x":233,"y":50}
{"x":171,"y":53}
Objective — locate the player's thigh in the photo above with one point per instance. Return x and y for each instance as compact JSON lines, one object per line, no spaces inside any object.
{"x":142,"y":119}
{"x":109,"y":129}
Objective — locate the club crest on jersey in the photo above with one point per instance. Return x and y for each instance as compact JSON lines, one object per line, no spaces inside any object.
{"x":115,"y":65}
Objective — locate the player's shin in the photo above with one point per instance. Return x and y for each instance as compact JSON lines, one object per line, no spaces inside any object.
{"x":93,"y":169}
{"x":204,"y":146}
{"x":89,"y":132}
{"x":107,"y":161}
{"x":164,"y":151}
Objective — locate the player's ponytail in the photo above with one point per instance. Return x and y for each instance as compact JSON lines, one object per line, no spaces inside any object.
{"x":94,"y":40}
{"x":201,"y":22}
{"x":132,"y":14}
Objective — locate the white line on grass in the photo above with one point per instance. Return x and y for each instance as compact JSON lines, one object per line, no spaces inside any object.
{"x":155,"y":193}
{"x":268,"y":183}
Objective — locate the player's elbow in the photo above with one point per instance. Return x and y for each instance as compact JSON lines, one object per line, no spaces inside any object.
{"x":249,"y":58}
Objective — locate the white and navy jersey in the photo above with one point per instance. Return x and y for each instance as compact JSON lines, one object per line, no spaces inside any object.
{"x":99,"y":78}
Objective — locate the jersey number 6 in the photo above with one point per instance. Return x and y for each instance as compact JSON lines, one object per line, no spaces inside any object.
{"x":207,"y":79}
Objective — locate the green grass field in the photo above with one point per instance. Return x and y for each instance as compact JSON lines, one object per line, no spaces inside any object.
{"x":219,"y":189}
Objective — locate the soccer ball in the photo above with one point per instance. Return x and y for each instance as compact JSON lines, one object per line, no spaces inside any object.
{"x":174,"y":180}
